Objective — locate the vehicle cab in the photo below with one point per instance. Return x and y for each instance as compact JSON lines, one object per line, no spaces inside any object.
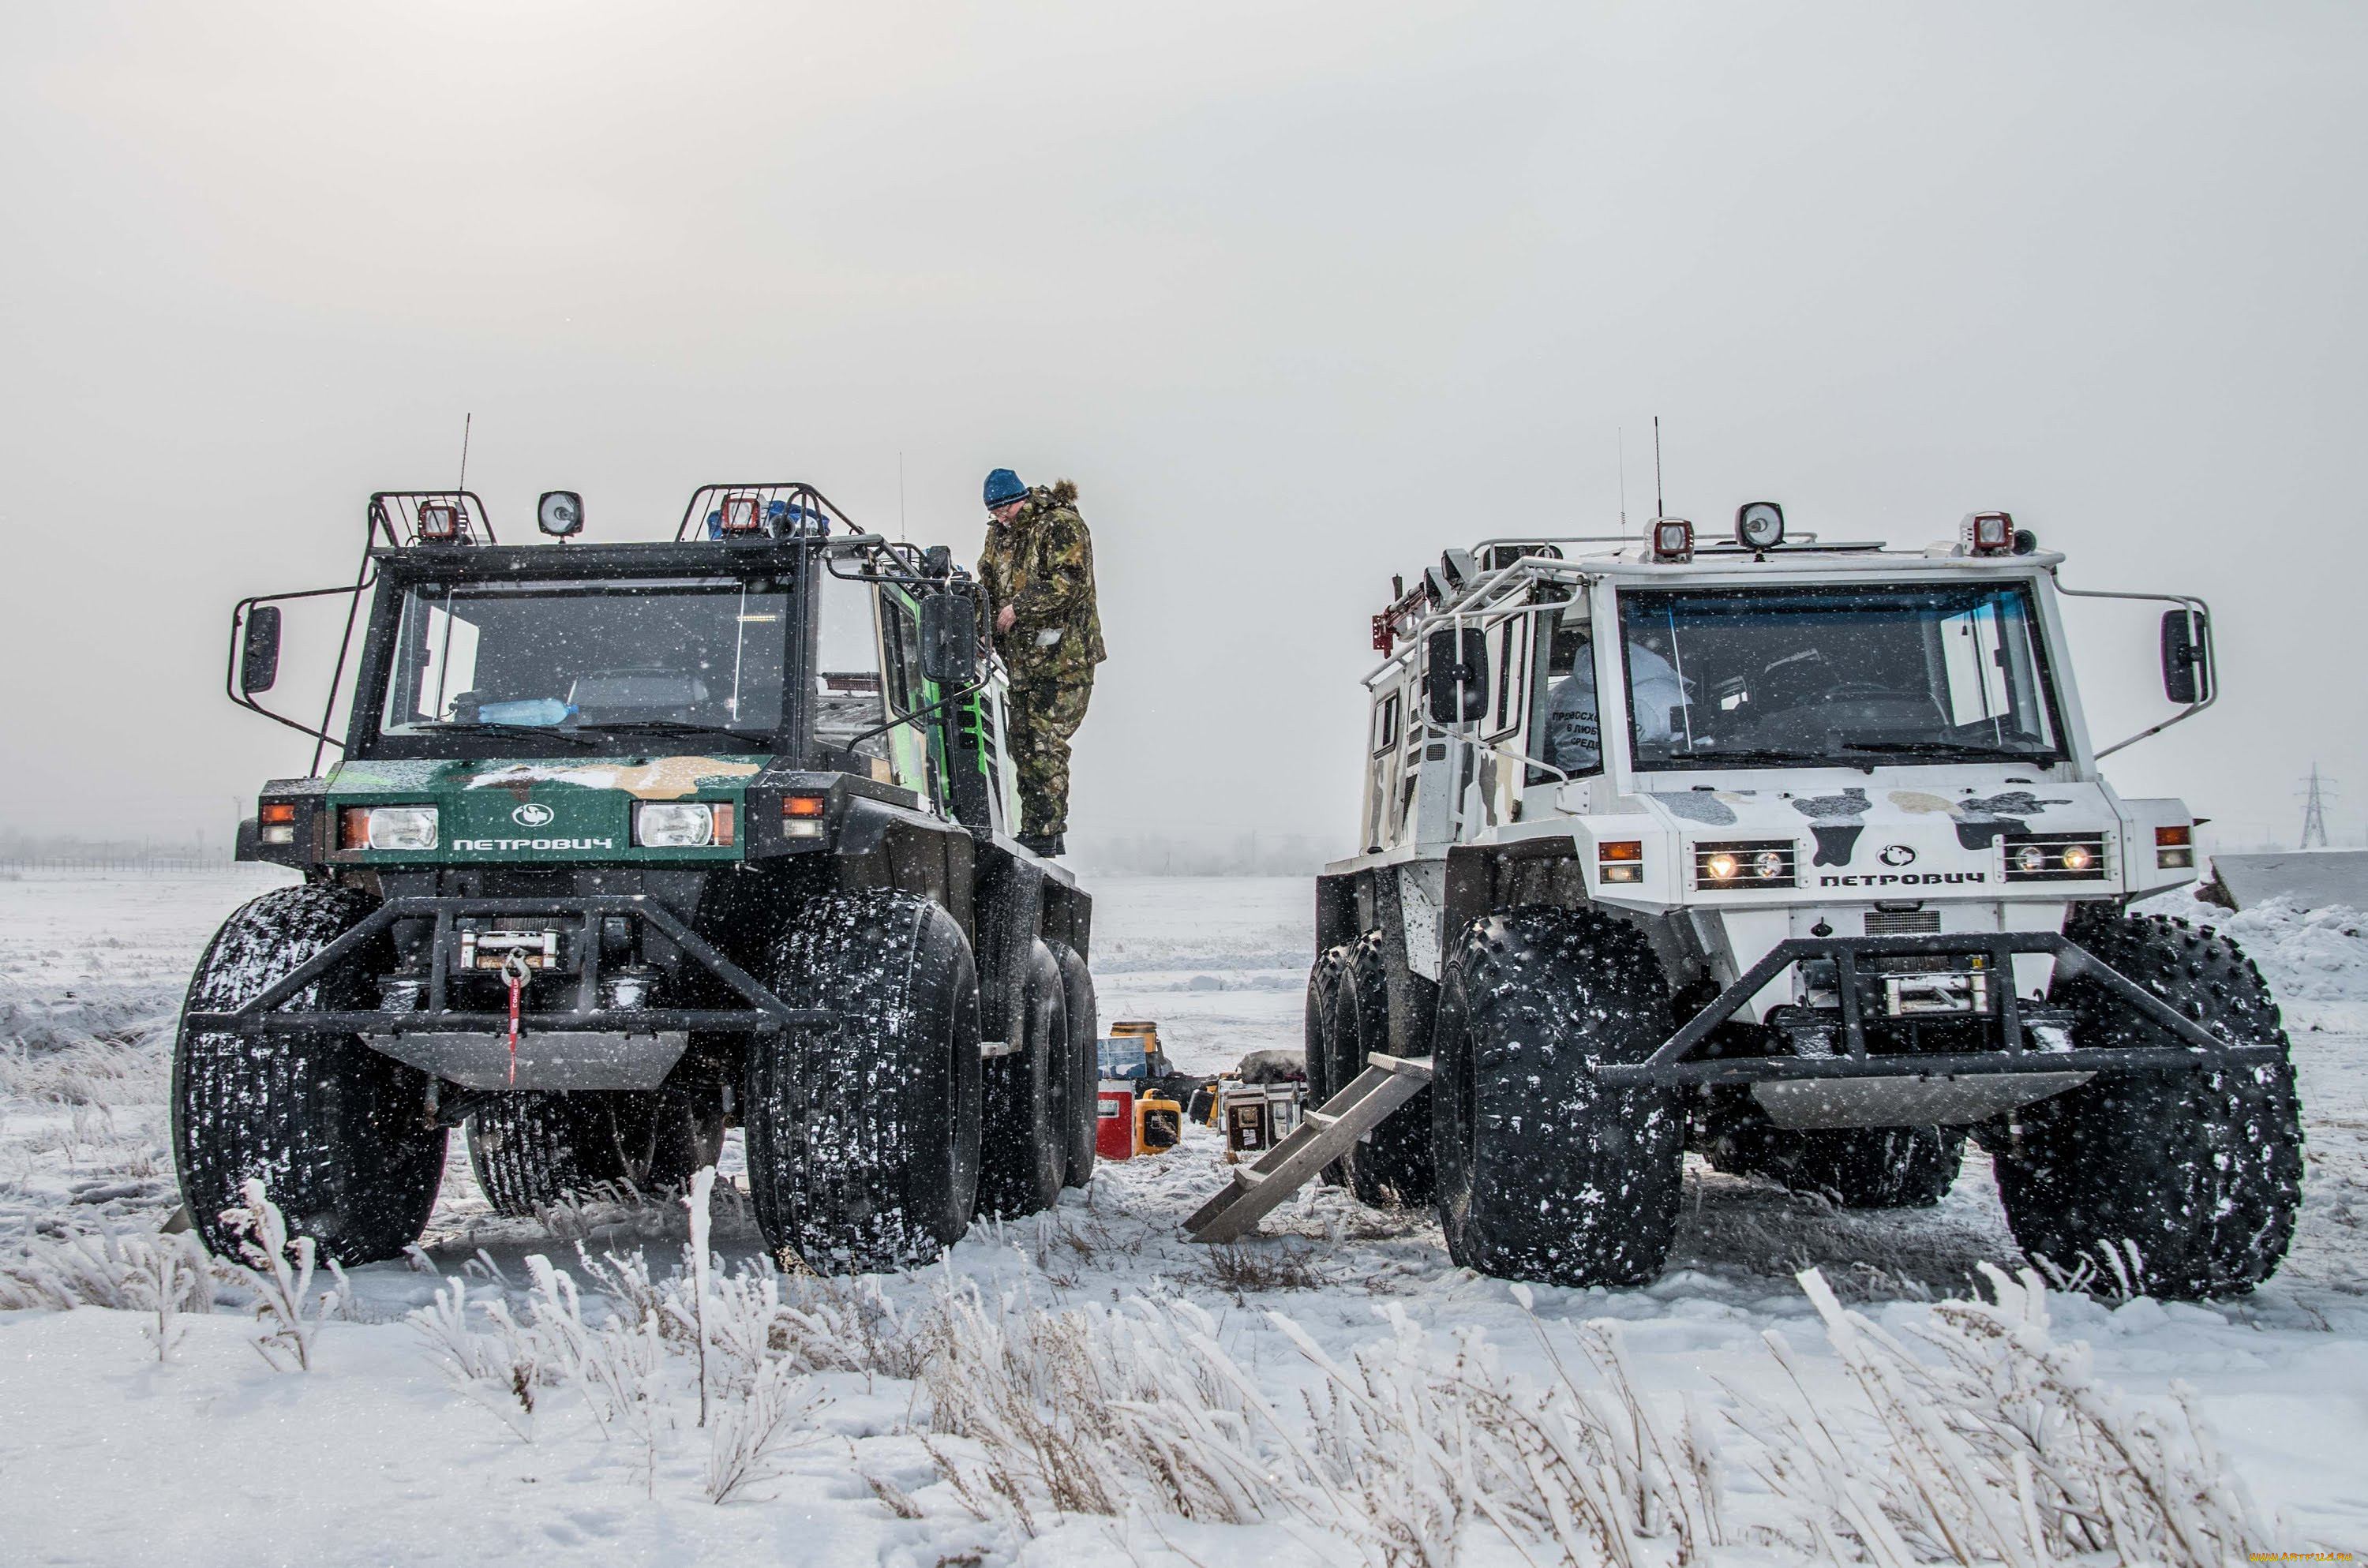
{"x":1761,"y":739}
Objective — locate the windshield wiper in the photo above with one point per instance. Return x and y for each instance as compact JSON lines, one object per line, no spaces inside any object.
{"x":1945,"y":748}
{"x":487,"y":727}
{"x":673,"y":727}
{"x":1739,"y":758}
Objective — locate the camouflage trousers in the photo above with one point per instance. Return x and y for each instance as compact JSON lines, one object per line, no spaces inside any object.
{"x":1044,"y":714}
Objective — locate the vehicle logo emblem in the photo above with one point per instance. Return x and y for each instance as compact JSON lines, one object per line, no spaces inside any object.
{"x":1892,"y":854}
{"x":532,"y":814}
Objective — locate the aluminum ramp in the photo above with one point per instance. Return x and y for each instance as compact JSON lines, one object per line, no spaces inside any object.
{"x":1387,"y":1083}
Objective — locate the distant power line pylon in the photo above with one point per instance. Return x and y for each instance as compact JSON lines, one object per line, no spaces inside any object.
{"x":2313,"y":810}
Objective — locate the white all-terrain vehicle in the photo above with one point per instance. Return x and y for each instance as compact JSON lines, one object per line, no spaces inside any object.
{"x":1795,"y":854}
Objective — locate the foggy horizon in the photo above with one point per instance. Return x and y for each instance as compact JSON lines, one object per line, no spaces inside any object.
{"x":1298,"y":299}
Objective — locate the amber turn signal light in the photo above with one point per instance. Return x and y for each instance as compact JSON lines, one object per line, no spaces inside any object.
{"x":802,"y":815}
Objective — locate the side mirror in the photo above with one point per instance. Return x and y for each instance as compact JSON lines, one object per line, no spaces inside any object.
{"x":938,"y":561}
{"x":1456,"y":680}
{"x":258,"y":652}
{"x":949,"y":639}
{"x":2186,"y":657}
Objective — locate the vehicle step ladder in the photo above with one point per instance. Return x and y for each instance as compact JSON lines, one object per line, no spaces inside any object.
{"x":1322,"y":1136}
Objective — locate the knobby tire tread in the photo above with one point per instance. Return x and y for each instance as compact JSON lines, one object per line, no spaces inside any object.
{"x":337,"y":1131}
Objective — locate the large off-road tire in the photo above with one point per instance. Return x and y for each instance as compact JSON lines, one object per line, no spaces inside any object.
{"x":1857,"y":1167}
{"x":863,"y":1134}
{"x":1084,"y":1081}
{"x":2199,"y":1169}
{"x":1545,"y":1173}
{"x":338,"y":1133}
{"x":532,"y":1148}
{"x":1392,"y":1163}
{"x":1023,"y":1152}
{"x":1323,"y":979}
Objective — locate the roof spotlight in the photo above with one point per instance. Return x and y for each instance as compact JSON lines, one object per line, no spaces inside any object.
{"x":440,"y":522}
{"x":559,"y":513}
{"x":742,"y":515}
{"x":1759,"y":525}
{"x":1673,"y":538}
{"x":1989,"y":533}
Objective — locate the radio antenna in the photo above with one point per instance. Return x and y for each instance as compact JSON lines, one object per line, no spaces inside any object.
{"x":1621,"y":435}
{"x":466,"y":420}
{"x":1660,"y":507}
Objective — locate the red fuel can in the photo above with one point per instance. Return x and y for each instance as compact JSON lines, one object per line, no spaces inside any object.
{"x":1114,"y":1121}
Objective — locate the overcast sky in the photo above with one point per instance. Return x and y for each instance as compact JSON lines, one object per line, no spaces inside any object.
{"x":1298,"y":294}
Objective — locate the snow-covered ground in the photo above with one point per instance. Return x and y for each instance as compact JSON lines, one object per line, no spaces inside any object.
{"x":378,"y":1454}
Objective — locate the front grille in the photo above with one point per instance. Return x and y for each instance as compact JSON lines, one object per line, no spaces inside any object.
{"x":1755,"y":863}
{"x":1902,"y":922}
{"x":2054,"y":857}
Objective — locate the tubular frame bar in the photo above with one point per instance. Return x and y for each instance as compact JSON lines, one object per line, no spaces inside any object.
{"x":1797,"y":1069}
{"x":1669,"y":1064}
{"x":766,"y":1014}
{"x":2195,"y":608}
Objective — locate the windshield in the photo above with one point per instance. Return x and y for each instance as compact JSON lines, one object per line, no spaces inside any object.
{"x":1794,"y":676}
{"x":634,"y":655}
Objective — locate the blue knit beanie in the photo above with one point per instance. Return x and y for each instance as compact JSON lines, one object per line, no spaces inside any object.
{"x":1003,"y":486}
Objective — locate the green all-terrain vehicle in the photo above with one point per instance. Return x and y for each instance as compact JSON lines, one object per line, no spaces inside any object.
{"x":628,"y":844}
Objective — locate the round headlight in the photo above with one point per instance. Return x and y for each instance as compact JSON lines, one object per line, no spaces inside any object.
{"x":1759,"y":525}
{"x":1768,"y":867}
{"x":1722,"y":867}
{"x":559,"y":513}
{"x":2030,"y":857}
{"x":2077,"y":857}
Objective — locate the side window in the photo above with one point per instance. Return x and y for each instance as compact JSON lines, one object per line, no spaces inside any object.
{"x":437,"y":663}
{"x":905,"y":686}
{"x":849,"y":691}
{"x":1385,"y":723}
{"x":1564,"y":727}
{"x":1508,"y":649}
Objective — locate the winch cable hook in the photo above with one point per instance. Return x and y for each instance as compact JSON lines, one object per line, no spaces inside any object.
{"x":515,"y":974}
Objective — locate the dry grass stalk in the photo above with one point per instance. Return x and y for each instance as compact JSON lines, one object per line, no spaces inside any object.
{"x":2005,"y":1450}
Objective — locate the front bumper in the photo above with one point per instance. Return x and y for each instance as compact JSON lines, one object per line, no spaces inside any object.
{"x":583,"y":1045}
{"x":2010,"y":1018}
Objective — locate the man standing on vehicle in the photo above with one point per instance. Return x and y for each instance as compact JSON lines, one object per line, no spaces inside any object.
{"x":1038,"y":569}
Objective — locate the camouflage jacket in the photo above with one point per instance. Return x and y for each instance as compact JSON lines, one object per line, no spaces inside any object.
{"x":1042,"y":564}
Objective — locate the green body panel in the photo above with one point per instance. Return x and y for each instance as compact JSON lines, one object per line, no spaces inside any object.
{"x":549,"y":812}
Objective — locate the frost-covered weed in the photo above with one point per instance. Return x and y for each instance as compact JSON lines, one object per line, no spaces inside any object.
{"x":278,"y":1272}
{"x":754,"y":1427}
{"x":2004,"y":1450}
{"x":497,"y":1371}
{"x":726,"y":1342}
{"x":131,"y":1273}
{"x":168,"y":1276}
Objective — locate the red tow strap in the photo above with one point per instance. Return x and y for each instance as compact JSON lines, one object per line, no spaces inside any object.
{"x":513,"y":971}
